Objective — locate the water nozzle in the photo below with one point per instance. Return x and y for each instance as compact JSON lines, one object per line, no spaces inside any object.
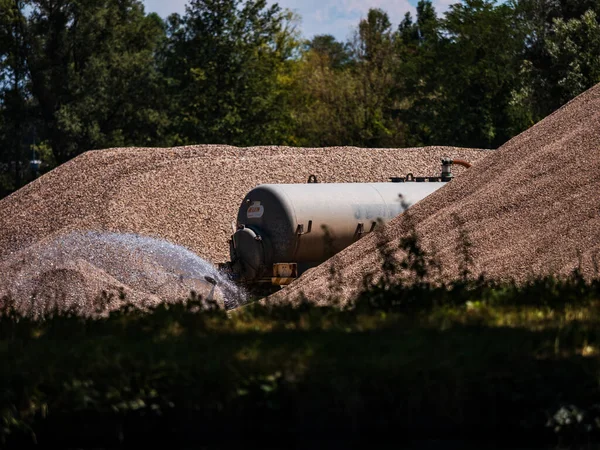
{"x":211,"y":280}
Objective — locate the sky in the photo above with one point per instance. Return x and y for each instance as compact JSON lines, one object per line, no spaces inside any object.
{"x":335,"y":17}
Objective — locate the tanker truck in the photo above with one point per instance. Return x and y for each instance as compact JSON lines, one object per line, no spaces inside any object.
{"x":282,"y":230}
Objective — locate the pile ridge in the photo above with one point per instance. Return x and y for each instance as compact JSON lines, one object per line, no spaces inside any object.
{"x":186,"y":196}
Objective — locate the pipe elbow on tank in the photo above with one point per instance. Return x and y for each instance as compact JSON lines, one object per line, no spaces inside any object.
{"x":461,"y":162}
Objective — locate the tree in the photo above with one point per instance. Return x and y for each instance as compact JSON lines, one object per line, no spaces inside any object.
{"x":16,"y":115}
{"x":326,"y":103}
{"x":574,"y":49}
{"x":424,"y":30}
{"x":418,"y":80}
{"x":227,"y":61}
{"x":558,"y":63}
{"x":481,"y":67}
{"x":462,"y":71}
{"x":373,"y":52}
{"x":93,"y":74}
{"x":337,"y":53}
{"x":540,"y":92}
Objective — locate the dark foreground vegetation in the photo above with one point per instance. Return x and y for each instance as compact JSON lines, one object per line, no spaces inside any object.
{"x":489,"y":364}
{"x":77,"y":75}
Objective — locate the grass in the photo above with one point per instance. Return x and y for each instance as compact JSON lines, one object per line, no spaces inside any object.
{"x":407,"y":362}
{"x":489,"y":363}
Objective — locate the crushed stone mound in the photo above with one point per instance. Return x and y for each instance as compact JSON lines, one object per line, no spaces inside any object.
{"x":92,"y":273}
{"x":187,"y":196}
{"x":530,"y":208}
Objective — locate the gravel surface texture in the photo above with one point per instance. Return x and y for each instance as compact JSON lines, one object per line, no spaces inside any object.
{"x":186,"y":196}
{"x":528,"y":209}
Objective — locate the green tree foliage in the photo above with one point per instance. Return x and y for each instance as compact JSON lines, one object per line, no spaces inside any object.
{"x":324,"y":94}
{"x":559,"y":66}
{"x":343,"y":91}
{"x":373,"y":50}
{"x":479,"y":67}
{"x":93,"y":74}
{"x":542,"y":87}
{"x":82,"y":74}
{"x":337,"y":53}
{"x":459,"y":73}
{"x":417,"y":76}
{"x":16,"y":115}
{"x":226,"y":63}
{"x":574,"y":49}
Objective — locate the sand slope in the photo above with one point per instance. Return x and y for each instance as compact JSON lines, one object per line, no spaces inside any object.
{"x":528,"y":208}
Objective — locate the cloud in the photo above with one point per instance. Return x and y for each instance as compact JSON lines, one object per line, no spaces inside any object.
{"x":395,"y":8}
{"x":441,"y":6}
{"x":336,"y":17}
{"x":165,"y":8}
{"x":340,"y":17}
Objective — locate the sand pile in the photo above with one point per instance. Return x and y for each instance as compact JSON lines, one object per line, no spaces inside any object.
{"x":89,"y":270}
{"x":187,"y":196}
{"x":528,"y":208}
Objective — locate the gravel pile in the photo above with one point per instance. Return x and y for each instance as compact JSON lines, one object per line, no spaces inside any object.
{"x":89,"y":271}
{"x":186,"y":196}
{"x":529,"y":208}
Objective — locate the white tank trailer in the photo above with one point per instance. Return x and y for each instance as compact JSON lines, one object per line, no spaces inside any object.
{"x":282,"y":230}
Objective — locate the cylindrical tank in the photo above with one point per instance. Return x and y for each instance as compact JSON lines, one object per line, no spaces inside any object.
{"x":308,"y":223}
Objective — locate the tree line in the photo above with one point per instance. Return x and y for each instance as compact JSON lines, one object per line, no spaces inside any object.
{"x":77,"y":75}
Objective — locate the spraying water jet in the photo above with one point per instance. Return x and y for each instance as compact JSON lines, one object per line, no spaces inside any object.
{"x":148,"y":270}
